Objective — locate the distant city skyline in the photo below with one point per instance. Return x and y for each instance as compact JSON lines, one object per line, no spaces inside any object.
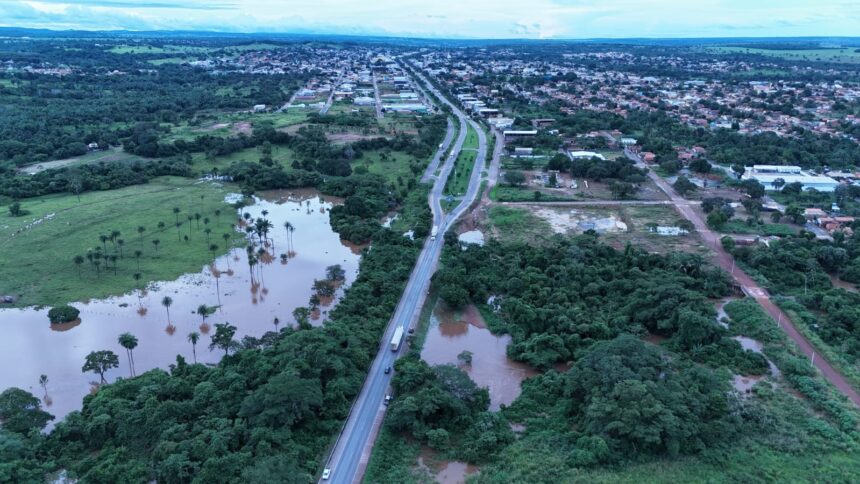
{"x":488,"y":19}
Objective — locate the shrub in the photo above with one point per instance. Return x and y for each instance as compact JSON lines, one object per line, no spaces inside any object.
{"x":63,"y":314}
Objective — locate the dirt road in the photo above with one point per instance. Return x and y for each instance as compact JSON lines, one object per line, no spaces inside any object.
{"x":751,"y":288}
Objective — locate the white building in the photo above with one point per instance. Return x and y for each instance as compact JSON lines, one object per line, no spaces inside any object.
{"x":585,"y":155}
{"x":768,"y":174}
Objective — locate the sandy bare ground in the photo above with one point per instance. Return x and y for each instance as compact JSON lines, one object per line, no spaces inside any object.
{"x":344,"y":138}
{"x":109,"y":155}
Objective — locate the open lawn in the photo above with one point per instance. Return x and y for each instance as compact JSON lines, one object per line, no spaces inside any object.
{"x":37,"y":249}
{"x":617,"y":225}
{"x":203,"y":164}
{"x":167,"y":49}
{"x":516,"y":224}
{"x":736,"y":226}
{"x":393,"y":165}
{"x":847,"y":55}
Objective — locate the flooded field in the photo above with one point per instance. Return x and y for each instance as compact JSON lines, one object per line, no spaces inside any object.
{"x":452,"y":332}
{"x":248,"y":298}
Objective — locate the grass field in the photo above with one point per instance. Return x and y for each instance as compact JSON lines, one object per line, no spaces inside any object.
{"x":458,"y":180}
{"x":847,"y":55}
{"x":517,"y":224}
{"x":203,"y":164}
{"x":736,"y":226}
{"x":167,"y":49}
{"x":38,"y":261}
{"x":393,"y":165}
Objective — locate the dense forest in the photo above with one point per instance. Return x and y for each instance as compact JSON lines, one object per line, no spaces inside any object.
{"x":623,"y":401}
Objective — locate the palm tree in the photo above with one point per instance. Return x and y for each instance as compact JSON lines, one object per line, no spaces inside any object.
{"x":190,"y":218}
{"x":176,"y":211}
{"x":104,"y":238}
{"x":289,"y":227}
{"x":43,"y":382}
{"x":113,"y":258}
{"x":161,"y":225}
{"x":98,"y":264}
{"x":120,"y":243}
{"x":114,"y":234}
{"x":206,"y":221}
{"x":276,"y":322}
{"x":197,"y":218}
{"x":129,"y":342}
{"x":137,"y":276}
{"x":140,"y":230}
{"x":203,"y":311}
{"x":155,"y":242}
{"x":178,"y":232}
{"x":207,"y":231}
{"x":78,"y":260}
{"x":166,"y":302}
{"x":193,"y":338}
{"x":213,"y":248}
{"x":218,"y":215}
{"x":137,"y":255}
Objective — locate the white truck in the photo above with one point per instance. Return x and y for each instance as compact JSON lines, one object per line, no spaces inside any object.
{"x":433,"y":232}
{"x":397,"y":338}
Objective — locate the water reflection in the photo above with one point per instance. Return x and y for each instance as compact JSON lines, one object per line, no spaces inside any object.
{"x":250,"y":298}
{"x":451,"y":333}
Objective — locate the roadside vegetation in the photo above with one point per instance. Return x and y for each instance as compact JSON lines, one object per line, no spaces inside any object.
{"x":581,"y":302}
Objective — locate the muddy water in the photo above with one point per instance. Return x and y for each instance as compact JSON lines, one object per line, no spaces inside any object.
{"x":839,"y":283}
{"x":452,"y":333}
{"x":445,"y":472}
{"x":30,"y":346}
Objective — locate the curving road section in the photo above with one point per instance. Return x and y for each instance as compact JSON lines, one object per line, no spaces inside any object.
{"x":351,"y":452}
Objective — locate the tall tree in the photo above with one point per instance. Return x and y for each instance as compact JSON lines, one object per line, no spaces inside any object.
{"x":78,"y":260}
{"x":193,"y":338}
{"x":129,"y":342}
{"x":167,"y":301}
{"x":140,"y":230}
{"x":223,"y":337}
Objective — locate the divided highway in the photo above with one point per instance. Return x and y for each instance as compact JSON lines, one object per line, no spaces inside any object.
{"x":351,"y":452}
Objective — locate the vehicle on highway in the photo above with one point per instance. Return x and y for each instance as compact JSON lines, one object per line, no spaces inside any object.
{"x":387,"y":370}
{"x":434,"y":232}
{"x":397,"y":338}
{"x":388,"y":399}
{"x":326,"y":474}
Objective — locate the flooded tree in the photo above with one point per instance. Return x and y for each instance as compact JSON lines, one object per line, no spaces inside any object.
{"x":129,"y":342}
{"x":335,"y":273}
{"x":193,"y":338}
{"x":43,"y":382}
{"x":167,"y":301}
{"x":223,"y":337}
{"x":100,"y":362}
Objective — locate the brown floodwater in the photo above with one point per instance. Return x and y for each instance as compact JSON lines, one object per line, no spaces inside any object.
{"x":31,"y":346}
{"x":452,"y":332}
{"x":444,"y":472}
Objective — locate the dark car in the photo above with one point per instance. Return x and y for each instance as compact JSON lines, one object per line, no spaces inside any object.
{"x":387,"y":370}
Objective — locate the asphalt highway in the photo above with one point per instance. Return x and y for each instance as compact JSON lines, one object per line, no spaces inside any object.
{"x":351,"y":452}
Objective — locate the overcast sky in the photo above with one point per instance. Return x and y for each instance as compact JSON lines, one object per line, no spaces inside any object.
{"x":452,"y":18}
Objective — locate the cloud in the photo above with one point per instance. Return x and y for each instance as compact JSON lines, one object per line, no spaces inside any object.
{"x":449,"y":18}
{"x":184,"y":5}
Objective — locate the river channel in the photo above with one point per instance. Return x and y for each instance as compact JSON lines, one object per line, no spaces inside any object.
{"x":31,"y":346}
